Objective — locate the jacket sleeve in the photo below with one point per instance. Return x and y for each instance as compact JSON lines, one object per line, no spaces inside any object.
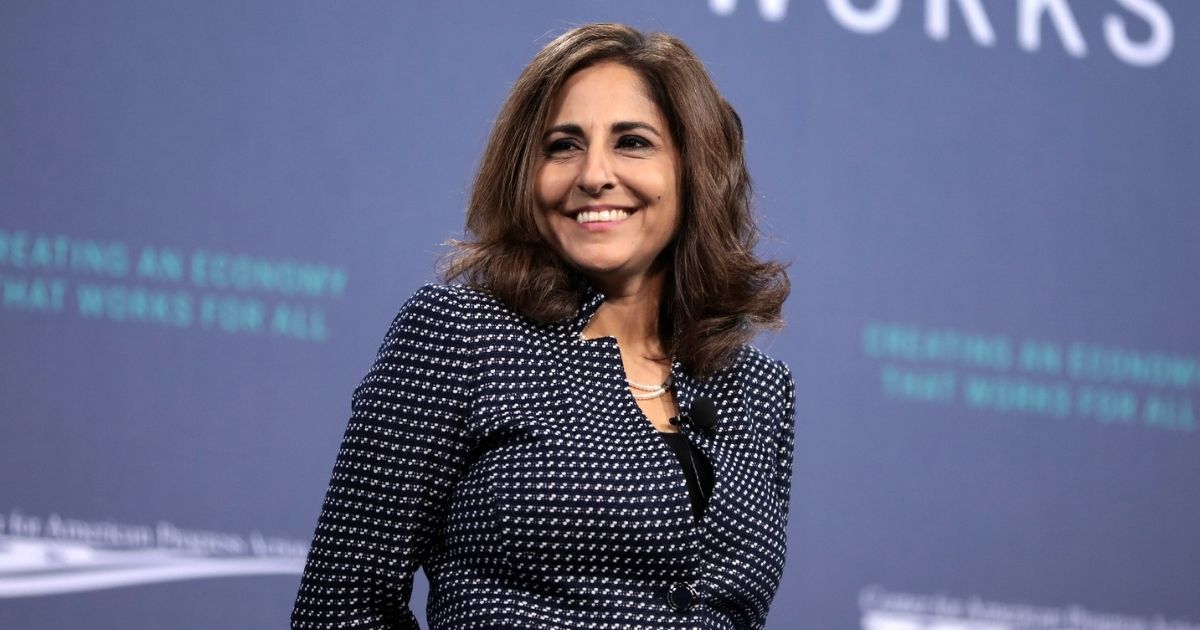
{"x":785,"y":434}
{"x":404,"y":450}
{"x":786,"y":444}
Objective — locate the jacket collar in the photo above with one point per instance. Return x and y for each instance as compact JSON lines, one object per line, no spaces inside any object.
{"x":592,"y":299}
{"x":686,"y":387}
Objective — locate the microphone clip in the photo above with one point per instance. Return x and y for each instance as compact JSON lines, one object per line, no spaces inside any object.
{"x":702,"y":417}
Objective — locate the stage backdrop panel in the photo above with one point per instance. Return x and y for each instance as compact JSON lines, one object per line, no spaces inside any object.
{"x":209,"y":213}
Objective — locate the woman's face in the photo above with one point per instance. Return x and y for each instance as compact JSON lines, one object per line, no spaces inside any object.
{"x":607,"y":180}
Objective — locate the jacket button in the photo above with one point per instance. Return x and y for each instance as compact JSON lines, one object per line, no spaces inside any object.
{"x":681,"y":596}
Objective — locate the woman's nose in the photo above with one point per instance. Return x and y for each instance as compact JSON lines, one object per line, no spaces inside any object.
{"x":596,"y":175}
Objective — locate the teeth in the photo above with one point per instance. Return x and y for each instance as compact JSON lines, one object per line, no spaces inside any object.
{"x":594,"y":216}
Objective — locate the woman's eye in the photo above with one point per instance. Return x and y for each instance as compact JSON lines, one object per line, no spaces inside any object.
{"x":559,"y":146}
{"x":632,"y":142}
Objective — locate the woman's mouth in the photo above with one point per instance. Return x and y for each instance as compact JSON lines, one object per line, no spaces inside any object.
{"x":602,"y":216}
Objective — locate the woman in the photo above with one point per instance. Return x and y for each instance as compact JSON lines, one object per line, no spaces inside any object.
{"x":521,"y":437}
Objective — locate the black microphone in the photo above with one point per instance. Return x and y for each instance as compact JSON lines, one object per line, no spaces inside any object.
{"x":702,"y":416}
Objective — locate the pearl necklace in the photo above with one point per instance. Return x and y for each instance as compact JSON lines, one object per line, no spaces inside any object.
{"x":651,"y":391}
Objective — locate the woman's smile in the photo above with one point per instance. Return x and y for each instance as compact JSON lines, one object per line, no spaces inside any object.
{"x":601,"y":218}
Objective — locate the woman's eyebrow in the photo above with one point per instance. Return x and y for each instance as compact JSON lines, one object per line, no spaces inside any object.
{"x":570,"y":129}
{"x":623,"y":126}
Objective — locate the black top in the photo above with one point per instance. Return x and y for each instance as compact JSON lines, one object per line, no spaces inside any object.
{"x":696,"y":470}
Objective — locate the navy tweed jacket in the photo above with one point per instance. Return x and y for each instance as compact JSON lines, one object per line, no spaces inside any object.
{"x":509,"y":460}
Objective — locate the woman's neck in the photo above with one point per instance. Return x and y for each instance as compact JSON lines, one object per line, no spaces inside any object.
{"x":630,"y":314}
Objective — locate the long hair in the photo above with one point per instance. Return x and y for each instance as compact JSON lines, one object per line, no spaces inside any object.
{"x":717,"y":293}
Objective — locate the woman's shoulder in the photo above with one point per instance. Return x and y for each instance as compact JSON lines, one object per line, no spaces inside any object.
{"x":471,"y":318}
{"x":451,"y":299}
{"x":762,"y":375}
{"x":751,"y":358}
{"x":448,"y":296}
{"x":462,"y":307}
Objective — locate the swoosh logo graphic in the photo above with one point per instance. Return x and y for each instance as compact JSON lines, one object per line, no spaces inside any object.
{"x":30,"y":567}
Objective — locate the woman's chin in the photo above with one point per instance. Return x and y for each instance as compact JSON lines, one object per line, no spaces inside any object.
{"x":615,"y":277}
{"x":599,"y":263}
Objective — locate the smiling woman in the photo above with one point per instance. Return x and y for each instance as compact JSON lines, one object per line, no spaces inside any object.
{"x":580,"y":435}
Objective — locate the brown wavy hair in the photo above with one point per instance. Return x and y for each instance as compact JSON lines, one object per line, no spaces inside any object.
{"x":717,"y":293}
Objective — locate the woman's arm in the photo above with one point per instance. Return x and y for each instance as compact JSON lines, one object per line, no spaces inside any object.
{"x":786,"y":444}
{"x":404,"y":450}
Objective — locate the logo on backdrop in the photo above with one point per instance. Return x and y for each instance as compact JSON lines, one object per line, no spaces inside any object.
{"x":1124,"y":16}
{"x":56,"y":555}
{"x":890,"y":610}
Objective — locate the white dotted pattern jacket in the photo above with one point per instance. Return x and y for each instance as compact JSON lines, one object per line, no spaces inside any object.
{"x":511,"y":462}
